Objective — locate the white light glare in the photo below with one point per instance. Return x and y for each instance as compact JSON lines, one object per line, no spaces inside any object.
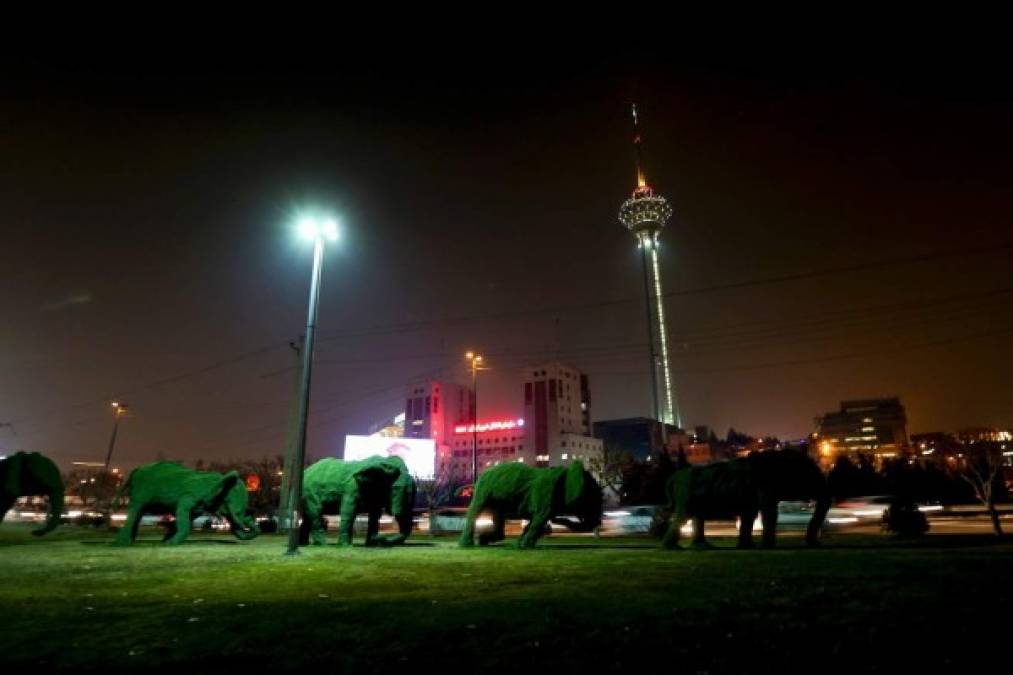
{"x":330,"y":229}
{"x":311,"y":228}
{"x":308,"y":228}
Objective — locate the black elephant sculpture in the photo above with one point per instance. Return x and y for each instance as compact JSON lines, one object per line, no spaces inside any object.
{"x":516,"y":490}
{"x":372,"y":485}
{"x":26,"y":474}
{"x":745,"y":487}
{"x":170,"y":487}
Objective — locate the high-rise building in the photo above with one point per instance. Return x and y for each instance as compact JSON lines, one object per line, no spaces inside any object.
{"x":557,"y":415}
{"x":645,"y":214}
{"x":434,"y":408}
{"x":876,"y":427}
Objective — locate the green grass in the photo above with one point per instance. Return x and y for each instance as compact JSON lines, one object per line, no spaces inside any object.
{"x":70,"y":602}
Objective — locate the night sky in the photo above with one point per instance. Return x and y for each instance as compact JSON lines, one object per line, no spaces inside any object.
{"x":841,"y":230}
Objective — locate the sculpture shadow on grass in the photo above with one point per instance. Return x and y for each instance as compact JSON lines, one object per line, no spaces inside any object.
{"x":158,"y":542}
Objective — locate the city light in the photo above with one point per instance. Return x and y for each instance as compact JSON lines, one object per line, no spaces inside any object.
{"x":498,"y":425}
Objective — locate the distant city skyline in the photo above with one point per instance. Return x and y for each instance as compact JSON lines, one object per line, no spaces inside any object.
{"x":840,"y":231}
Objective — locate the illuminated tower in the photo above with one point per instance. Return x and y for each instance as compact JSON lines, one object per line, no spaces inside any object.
{"x":645,"y":214}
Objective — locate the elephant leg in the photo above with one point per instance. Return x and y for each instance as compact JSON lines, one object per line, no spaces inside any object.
{"x":184,"y":511}
{"x":373,"y":528}
{"x":312,"y":525}
{"x":6,"y":502}
{"x":699,"y":536}
{"x":674,"y":531}
{"x":468,"y":533}
{"x":746,"y":521}
{"x":533,"y":530}
{"x":170,"y":530}
{"x":55,"y":513}
{"x":768,"y":516}
{"x":498,"y":532}
{"x":128,"y":532}
{"x":347,"y":527}
{"x":812,"y":533}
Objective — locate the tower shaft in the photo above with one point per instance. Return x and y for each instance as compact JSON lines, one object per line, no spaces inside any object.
{"x":645,"y":214}
{"x":672,"y":415}
{"x":652,"y":358}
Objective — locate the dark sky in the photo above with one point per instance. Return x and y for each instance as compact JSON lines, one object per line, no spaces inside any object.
{"x":841,"y":230}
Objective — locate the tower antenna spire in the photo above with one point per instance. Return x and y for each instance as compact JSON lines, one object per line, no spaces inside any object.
{"x":638,"y":152}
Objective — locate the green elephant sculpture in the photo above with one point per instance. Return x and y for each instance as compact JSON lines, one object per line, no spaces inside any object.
{"x":745,"y":487}
{"x":372,"y":485}
{"x":26,"y":474}
{"x":169,"y":487}
{"x":516,"y":490}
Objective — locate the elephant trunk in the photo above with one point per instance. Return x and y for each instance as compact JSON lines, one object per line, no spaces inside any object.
{"x":243,"y":531}
{"x":819,"y":514}
{"x":54,"y":515}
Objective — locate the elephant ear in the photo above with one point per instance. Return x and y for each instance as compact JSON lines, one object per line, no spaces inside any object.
{"x":574,"y":481}
{"x":229,"y":481}
{"x":12,"y":473}
{"x":375,"y":472}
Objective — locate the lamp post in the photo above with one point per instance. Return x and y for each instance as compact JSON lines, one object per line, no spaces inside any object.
{"x":476,"y":365}
{"x":119,"y":410}
{"x":318,"y":230}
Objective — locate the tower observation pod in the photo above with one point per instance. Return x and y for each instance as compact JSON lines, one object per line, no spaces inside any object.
{"x":645,"y":214}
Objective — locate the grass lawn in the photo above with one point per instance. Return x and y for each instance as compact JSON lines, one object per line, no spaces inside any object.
{"x":860,"y":603}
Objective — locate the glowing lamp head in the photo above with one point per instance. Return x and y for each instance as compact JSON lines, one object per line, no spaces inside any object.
{"x":312,"y":228}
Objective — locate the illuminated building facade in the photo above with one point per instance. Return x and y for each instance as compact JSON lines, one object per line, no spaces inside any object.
{"x":645,"y":214}
{"x":434,"y":408}
{"x":557,"y":411}
{"x":876,"y":427}
{"x":499,"y":440}
{"x":551,"y":428}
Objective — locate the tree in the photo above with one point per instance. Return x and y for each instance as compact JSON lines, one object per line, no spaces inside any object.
{"x":267,"y":472}
{"x":93,"y":488}
{"x":981,"y":467}
{"x":608,"y":468}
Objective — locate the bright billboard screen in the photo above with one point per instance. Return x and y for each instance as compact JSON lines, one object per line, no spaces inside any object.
{"x":418,"y":453}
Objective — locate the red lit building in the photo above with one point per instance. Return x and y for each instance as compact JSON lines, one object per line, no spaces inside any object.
{"x":554,"y":429}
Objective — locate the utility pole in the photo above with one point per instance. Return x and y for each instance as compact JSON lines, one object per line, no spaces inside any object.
{"x":290,"y":438}
{"x":285,"y":499}
{"x":119,"y":409}
{"x":476,"y":365}
{"x":320,"y":230}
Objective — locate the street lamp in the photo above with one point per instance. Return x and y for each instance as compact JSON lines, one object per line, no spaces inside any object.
{"x":317,"y":229}
{"x":476,"y":365}
{"x":119,"y":410}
